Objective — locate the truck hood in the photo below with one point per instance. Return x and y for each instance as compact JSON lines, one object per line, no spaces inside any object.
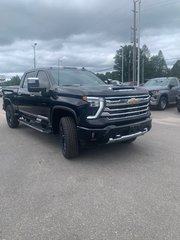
{"x":100,"y":90}
{"x":155,"y":88}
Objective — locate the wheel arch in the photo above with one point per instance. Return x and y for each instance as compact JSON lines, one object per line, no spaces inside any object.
{"x":59,"y":112}
{"x":164,"y":95}
{"x":160,"y":106}
{"x":7,"y":102}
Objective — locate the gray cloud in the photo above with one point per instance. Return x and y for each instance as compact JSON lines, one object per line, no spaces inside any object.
{"x":44,"y":21}
{"x":84,"y":33}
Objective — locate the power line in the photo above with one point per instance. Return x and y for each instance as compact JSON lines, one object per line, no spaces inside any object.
{"x":168,"y":59}
{"x":157,"y":4}
{"x":147,"y":9}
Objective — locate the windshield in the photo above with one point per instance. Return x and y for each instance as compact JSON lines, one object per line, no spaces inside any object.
{"x":69,"y":77}
{"x":157,"y":82}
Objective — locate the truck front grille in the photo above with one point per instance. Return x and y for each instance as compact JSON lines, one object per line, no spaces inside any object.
{"x":126,"y":107}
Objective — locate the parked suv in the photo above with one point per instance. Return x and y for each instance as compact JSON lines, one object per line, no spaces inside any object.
{"x":163,"y":91}
{"x":178,"y":100}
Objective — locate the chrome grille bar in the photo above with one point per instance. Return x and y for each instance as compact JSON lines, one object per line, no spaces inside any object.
{"x":120,"y":108}
{"x":128,"y":117}
{"x":124,"y":109}
{"x":106,"y":114}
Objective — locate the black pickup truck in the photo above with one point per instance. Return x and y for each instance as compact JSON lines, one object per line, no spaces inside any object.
{"x":78,"y":105}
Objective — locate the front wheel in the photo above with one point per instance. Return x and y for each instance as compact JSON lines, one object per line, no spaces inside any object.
{"x":11,"y":119}
{"x":163,"y":103}
{"x":69,"y":138}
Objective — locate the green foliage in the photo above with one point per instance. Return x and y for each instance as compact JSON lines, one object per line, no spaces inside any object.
{"x":158,"y":66}
{"x":109,"y":75}
{"x":150,"y":67}
{"x":175,"y":71}
{"x":127,"y":62}
{"x":14,"y":81}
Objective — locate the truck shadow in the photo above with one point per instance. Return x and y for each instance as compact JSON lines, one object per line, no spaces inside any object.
{"x":90,"y":153}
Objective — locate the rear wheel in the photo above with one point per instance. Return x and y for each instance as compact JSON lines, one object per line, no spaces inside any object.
{"x":12,"y":120}
{"x":69,"y":138}
{"x":178,"y":107}
{"x":163,"y":103}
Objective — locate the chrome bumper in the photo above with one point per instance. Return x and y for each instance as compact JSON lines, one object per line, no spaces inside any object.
{"x":127,"y":137}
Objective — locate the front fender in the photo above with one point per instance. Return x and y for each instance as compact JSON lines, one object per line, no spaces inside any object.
{"x":64,"y":108}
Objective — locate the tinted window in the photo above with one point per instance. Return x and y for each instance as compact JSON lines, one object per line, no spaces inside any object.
{"x":161,"y":82}
{"x":75,"y":77}
{"x":43,"y":80}
{"x":173,"y":82}
{"x":28,"y":75}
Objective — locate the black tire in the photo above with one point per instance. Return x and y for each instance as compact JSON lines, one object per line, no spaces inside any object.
{"x":163,"y":102}
{"x":130,"y":140}
{"x":69,"y":138}
{"x":178,"y":107}
{"x":11,"y":119}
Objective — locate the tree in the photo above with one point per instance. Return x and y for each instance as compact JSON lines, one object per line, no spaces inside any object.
{"x":157,"y":66}
{"x":14,"y":81}
{"x":127,"y":62}
{"x":150,"y":67}
{"x":101,"y":76}
{"x":175,"y":71}
{"x":145,"y":63}
{"x":109,"y":75}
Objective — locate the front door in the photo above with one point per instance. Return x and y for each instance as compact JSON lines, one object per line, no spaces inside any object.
{"x":35,"y":104}
{"x":173,"y":91}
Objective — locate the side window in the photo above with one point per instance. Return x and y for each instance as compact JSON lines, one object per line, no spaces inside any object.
{"x":43,"y":80}
{"x":29,"y":74}
{"x":174,"y":82}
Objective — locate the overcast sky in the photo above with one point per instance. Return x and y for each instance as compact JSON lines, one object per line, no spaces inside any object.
{"x":82,"y":33}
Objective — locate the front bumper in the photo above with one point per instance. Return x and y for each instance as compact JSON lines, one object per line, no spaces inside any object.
{"x":178,"y":99}
{"x":154,"y":101}
{"x":113,"y":133}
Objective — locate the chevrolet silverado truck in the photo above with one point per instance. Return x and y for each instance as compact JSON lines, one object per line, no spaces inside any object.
{"x":163,"y":91}
{"x":79,"y":106}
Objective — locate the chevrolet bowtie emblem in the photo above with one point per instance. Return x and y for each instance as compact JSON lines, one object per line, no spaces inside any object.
{"x":133,"y":101}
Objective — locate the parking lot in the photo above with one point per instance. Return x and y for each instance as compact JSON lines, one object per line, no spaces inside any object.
{"x":110,"y":192}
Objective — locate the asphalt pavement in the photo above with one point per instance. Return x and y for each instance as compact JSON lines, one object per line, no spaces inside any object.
{"x":119,"y":191}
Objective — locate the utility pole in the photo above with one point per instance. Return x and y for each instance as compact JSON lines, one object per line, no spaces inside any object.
{"x":134,"y":41}
{"x":60,"y":64}
{"x":34,"y":48}
{"x":122,"y":66}
{"x":129,"y":67}
{"x":139,"y":20}
{"x":142,"y":69}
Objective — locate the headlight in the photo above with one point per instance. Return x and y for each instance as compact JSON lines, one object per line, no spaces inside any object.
{"x":154,"y":93}
{"x":96,"y":105}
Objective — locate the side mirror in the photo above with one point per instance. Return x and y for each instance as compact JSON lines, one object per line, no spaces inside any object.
{"x":33,"y":85}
